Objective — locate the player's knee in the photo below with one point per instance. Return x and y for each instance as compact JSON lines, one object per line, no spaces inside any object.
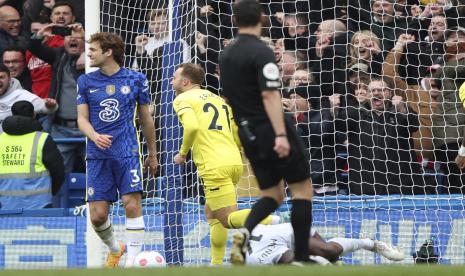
{"x":224,"y":222}
{"x":98,"y":218}
{"x":132,"y":209}
{"x":302,"y":190}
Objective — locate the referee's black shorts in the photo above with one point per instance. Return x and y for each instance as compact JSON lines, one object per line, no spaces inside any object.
{"x":269,"y":169}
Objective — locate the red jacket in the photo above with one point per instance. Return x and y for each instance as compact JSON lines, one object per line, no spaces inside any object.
{"x":41,"y":72}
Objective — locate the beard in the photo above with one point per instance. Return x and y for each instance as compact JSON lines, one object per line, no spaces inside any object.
{"x":455,"y":49}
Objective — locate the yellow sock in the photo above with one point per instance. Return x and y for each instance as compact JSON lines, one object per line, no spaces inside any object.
{"x":237,"y":219}
{"x":218,"y":240}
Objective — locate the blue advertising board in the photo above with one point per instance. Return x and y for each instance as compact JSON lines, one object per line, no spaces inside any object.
{"x":58,"y":241}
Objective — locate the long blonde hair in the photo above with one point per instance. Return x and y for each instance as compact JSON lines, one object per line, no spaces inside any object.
{"x":368,"y":33}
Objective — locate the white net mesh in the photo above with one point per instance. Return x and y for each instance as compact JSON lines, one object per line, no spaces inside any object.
{"x":384,"y":122}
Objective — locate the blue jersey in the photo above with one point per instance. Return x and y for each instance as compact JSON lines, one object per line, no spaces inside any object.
{"x":112,"y":102}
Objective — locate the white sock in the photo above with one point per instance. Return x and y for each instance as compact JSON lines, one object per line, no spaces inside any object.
{"x":351,"y":245}
{"x":275,"y":220}
{"x":134,"y":238}
{"x":105,"y":232}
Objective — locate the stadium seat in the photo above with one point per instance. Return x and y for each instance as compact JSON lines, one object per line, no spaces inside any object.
{"x":72,"y":192}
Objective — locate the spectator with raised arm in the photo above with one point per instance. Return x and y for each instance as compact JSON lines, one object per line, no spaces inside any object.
{"x":365,"y":47}
{"x":418,"y":98}
{"x":32,"y":167}
{"x":329,"y":56}
{"x":11,"y":92}
{"x":449,"y":118}
{"x":380,"y":158}
{"x":67,"y":66}
{"x":419,"y":55}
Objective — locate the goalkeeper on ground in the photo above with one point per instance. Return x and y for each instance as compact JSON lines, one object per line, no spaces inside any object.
{"x":209,"y":130}
{"x":273,"y":244}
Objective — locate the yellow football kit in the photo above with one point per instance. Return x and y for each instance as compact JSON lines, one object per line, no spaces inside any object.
{"x":209,"y":129}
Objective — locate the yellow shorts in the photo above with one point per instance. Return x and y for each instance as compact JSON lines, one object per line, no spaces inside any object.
{"x":220,"y":186}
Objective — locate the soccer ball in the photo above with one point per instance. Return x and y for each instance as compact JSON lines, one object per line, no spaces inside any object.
{"x":149,"y":259}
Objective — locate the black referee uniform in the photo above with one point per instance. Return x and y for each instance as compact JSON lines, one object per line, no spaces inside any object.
{"x":247,"y":68}
{"x":247,"y":72}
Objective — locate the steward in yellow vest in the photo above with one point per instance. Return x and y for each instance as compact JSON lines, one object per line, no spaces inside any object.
{"x":31,"y":167}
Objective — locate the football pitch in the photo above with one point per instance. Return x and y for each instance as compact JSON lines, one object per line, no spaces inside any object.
{"x":420,"y":270}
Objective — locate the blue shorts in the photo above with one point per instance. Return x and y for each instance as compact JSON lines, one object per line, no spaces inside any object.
{"x":107,"y":177}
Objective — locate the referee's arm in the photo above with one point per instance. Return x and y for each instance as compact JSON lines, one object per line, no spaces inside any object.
{"x":274,"y":110}
{"x":268,"y":79}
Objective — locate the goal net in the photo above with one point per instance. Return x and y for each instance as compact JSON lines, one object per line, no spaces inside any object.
{"x":373,"y":88}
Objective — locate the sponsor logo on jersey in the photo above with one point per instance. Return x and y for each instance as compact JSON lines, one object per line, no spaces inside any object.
{"x":93,"y":90}
{"x":125,"y":89}
{"x":90,"y":191}
{"x":110,"y":89}
{"x":271,"y":71}
{"x":110,"y":112}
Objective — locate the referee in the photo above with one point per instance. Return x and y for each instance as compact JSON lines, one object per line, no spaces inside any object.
{"x":250,"y":80}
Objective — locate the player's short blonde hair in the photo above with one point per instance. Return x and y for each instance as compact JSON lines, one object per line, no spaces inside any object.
{"x":193,"y":72}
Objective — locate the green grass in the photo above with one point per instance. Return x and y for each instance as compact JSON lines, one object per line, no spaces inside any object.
{"x":441,"y":270}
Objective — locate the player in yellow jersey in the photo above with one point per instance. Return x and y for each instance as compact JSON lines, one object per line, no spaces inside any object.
{"x":209,"y":130}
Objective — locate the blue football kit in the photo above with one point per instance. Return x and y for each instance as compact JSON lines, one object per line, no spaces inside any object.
{"x":112,"y":102}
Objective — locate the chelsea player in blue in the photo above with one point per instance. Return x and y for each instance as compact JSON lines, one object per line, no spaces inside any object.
{"x":108,"y":100}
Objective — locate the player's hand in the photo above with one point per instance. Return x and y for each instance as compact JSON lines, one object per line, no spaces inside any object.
{"x":151,"y":164}
{"x":281,"y":146}
{"x":179,"y":159}
{"x":50,"y":103}
{"x":103,"y":141}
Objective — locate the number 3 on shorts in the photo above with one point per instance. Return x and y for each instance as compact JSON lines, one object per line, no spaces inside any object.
{"x":135,"y":176}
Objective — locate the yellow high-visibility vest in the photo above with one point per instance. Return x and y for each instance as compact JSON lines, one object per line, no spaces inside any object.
{"x":24,"y":180}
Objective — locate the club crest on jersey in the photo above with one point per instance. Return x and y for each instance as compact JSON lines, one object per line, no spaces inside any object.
{"x":110,"y":89}
{"x":125,"y":89}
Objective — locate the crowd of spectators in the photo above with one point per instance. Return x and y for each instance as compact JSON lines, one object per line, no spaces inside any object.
{"x":375,"y":83}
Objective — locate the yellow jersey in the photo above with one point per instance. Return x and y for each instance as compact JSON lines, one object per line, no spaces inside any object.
{"x":209,"y":129}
